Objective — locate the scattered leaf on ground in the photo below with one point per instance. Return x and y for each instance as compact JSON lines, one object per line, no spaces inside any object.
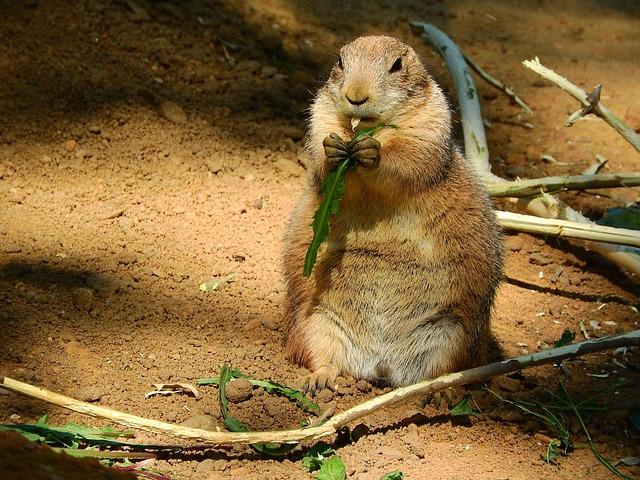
{"x":316,"y":455}
{"x":567,"y":337}
{"x":332,"y":469}
{"x":622,"y":217}
{"x":395,"y":475}
{"x":173,"y":388}
{"x":463,"y":408}
{"x":214,"y":283}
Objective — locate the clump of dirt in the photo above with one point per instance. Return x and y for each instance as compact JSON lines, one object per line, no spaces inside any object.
{"x":147,"y":147}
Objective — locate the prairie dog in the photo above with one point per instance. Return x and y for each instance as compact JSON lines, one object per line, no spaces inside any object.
{"x":403,"y":289}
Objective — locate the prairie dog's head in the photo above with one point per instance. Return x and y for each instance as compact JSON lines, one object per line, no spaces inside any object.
{"x":374,"y":80}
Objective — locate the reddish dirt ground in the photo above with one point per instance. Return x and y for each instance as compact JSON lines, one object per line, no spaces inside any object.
{"x":146,"y":150}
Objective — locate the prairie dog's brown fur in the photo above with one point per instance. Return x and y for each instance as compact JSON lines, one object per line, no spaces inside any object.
{"x":404,"y":287}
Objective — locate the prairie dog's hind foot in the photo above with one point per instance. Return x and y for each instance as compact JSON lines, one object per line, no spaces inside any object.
{"x":323,"y":377}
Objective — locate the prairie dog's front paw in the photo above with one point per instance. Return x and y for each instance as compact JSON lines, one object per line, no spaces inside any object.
{"x":335,"y":148}
{"x":365,"y":150}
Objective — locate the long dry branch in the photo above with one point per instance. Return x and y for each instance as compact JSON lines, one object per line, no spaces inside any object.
{"x":564,"y":228}
{"x":534,"y":186}
{"x":477,"y":151}
{"x":494,"y":82}
{"x":474,"y":375}
{"x":576,"y":92}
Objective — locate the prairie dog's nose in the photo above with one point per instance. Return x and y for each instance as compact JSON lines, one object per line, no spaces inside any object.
{"x":356,"y":94}
{"x":357,"y":102}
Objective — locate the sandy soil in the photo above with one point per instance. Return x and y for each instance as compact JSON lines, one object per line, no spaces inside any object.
{"x":144,"y":151}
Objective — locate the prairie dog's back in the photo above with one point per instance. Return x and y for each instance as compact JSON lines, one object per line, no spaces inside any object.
{"x":403,"y":289}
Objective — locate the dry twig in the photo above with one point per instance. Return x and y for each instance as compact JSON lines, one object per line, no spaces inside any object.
{"x":474,"y":375}
{"x":477,"y":151}
{"x":535,"y":186}
{"x":590,"y":102}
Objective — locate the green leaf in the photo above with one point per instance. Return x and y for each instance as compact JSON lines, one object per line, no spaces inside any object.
{"x":463,"y":408}
{"x":72,"y":435}
{"x":567,"y":337}
{"x":395,"y":475}
{"x":316,"y":455}
{"x":622,"y":217}
{"x":332,"y":469}
{"x":271,"y":387}
{"x":332,"y":191}
{"x":234,"y":425}
{"x":552,"y":451}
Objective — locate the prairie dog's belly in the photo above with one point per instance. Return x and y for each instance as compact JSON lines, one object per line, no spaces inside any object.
{"x":378,"y":278}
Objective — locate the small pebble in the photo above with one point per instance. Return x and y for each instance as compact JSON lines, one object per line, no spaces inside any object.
{"x":539,"y":259}
{"x":173,"y":112}
{"x":89,"y":394}
{"x":239,"y":390}
{"x":204,"y":422}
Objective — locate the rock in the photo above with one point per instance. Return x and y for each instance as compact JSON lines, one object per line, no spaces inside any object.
{"x":240,"y":472}
{"x":251,"y":66}
{"x":101,"y":282}
{"x":206,"y":466}
{"x":70,"y":145}
{"x":288,"y":167}
{"x":415,"y":444}
{"x":363,"y":386}
{"x":294,"y":133}
{"x":516,"y":171}
{"x":359,"y":431}
{"x":324,"y":396}
{"x":513,"y":243}
{"x":539,"y":259}
{"x":268,"y":71}
{"x":272,"y":406}
{"x":215,"y":165}
{"x":110,"y":213}
{"x":83,"y":298}
{"x":239,"y":390}
{"x":508,"y":384}
{"x":126,"y":223}
{"x":12,"y":249}
{"x":94,"y":129}
{"x":89,"y":394}
{"x":173,"y":112}
{"x":205,"y":422}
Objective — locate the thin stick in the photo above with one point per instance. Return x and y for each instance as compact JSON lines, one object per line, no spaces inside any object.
{"x":592,"y":107}
{"x":494,"y":82}
{"x":474,"y":375}
{"x":477,"y":150}
{"x":532,"y":187}
{"x":564,"y":228}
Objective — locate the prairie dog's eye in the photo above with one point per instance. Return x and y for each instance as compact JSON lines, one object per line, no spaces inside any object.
{"x":340,"y":62}
{"x":397,"y":65}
